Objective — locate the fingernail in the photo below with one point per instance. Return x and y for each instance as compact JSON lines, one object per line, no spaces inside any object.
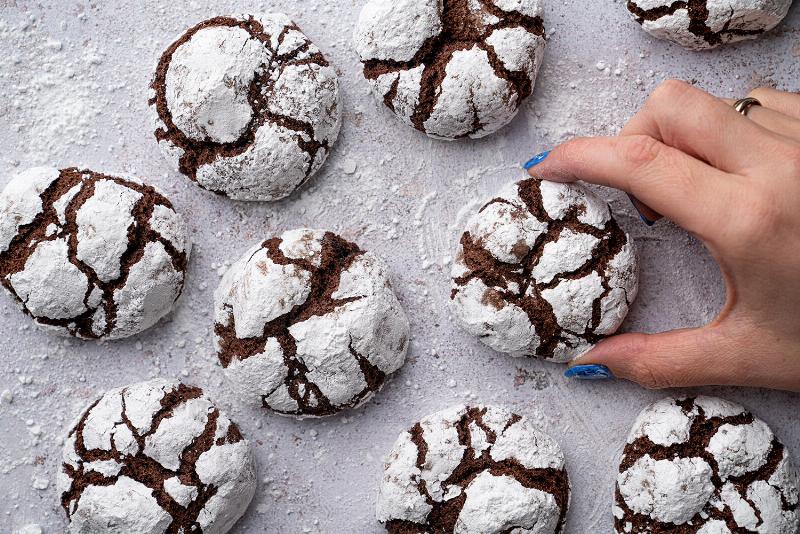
{"x":535,"y":160}
{"x":644,"y":219}
{"x":589,"y":372}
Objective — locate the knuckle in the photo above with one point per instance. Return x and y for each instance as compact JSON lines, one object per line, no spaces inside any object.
{"x":640,"y":150}
{"x":671,"y":90}
{"x":759,"y":92}
{"x":761,"y":219}
{"x":793,"y":160}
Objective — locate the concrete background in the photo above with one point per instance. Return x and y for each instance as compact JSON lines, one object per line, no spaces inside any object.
{"x":73,"y":79}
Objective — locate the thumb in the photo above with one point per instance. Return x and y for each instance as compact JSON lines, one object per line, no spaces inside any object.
{"x":678,"y":358}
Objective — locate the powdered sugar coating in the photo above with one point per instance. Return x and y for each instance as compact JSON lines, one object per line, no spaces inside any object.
{"x":474,"y":470}
{"x":307,"y":324}
{"x":543,"y":269}
{"x":246,"y":106}
{"x":451,"y":68}
{"x":703,"y":465}
{"x":89,"y":254}
{"x":708,"y":23}
{"x":155,"y":457}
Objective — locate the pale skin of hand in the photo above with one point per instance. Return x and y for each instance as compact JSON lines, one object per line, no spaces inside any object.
{"x":734,"y":183}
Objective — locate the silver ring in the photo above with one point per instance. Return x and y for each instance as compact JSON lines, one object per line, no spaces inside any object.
{"x":743,"y":105}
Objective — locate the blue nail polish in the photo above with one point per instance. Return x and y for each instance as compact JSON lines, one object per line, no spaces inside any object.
{"x":535,"y":160}
{"x":644,"y":219}
{"x":589,"y":372}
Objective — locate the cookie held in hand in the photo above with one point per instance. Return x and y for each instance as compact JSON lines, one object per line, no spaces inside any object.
{"x":543,"y":269}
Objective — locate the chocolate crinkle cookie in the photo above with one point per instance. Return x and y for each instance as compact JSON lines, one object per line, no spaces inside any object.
{"x":704,"y":466}
{"x":702,"y":24}
{"x":307,"y":324}
{"x":474,"y":470}
{"x":90,"y":254}
{"x":543,"y":269}
{"x":452,"y":68}
{"x":155,"y":457}
{"x":246,"y":106}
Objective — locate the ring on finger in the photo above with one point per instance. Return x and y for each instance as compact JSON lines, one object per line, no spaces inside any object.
{"x":743,"y":105}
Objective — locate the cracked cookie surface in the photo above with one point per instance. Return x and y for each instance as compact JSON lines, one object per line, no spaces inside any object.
{"x":474,"y":470}
{"x":704,"y":465}
{"x":543,"y":269}
{"x":90,"y":254}
{"x":155,"y":457}
{"x":307,"y":324}
{"x":451,"y":68}
{"x":246,"y":106}
{"x":701,"y":24}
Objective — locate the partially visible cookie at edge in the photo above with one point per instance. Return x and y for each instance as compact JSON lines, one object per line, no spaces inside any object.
{"x":703,"y":465}
{"x":543,"y":269}
{"x":246,"y":106}
{"x":474,"y":470}
{"x":307,"y":324}
{"x":451,"y":68}
{"x":707,"y":24}
{"x":89,"y":254}
{"x":155,"y":457}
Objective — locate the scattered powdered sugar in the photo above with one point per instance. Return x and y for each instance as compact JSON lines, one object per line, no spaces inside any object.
{"x":49,"y":91}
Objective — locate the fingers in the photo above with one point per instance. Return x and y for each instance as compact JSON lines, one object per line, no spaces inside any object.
{"x":772,"y":120}
{"x":702,"y":126}
{"x":706,"y":356}
{"x":780,"y":101}
{"x":667,"y":180}
{"x":678,"y":358}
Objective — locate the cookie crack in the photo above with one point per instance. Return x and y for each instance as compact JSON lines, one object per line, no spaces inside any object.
{"x":701,"y":432}
{"x":199,"y":153}
{"x":139,"y":233}
{"x":444,"y":514}
{"x":336,"y":256}
{"x":498,"y":276}
{"x":461,"y":30}
{"x":146,"y":470}
{"x":698,"y":18}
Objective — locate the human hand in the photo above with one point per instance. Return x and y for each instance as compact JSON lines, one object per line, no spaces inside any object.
{"x":732,"y":181}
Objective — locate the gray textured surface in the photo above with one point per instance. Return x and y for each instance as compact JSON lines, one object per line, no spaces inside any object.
{"x":73,"y":78}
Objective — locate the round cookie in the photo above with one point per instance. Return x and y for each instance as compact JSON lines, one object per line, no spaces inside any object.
{"x":155,"y":457}
{"x":474,"y":470}
{"x":708,"y":23}
{"x":543,"y":269}
{"x":307,"y":324}
{"x":707,"y":466}
{"x":246,"y":106}
{"x":451,"y":68}
{"x":90,"y":254}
